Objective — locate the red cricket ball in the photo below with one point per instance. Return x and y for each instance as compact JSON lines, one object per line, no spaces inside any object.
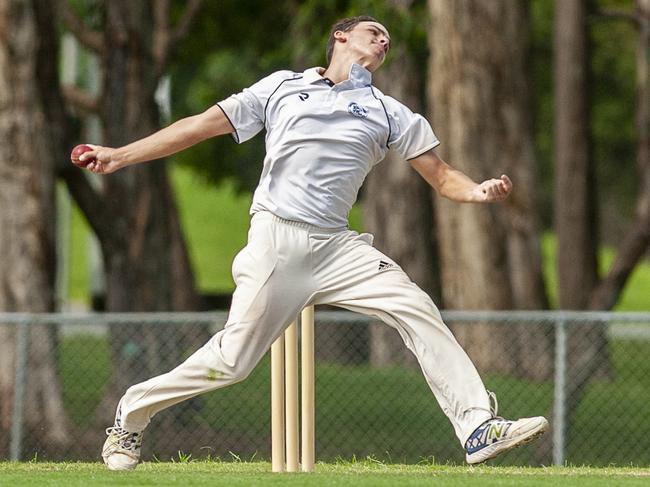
{"x":77,"y":151}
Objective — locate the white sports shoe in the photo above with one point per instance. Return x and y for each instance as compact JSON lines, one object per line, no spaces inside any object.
{"x":497,"y":435}
{"x":121,"y":449}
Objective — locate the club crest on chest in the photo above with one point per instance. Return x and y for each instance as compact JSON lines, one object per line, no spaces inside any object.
{"x":357,"y":110}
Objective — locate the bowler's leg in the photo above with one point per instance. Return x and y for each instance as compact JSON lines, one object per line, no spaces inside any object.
{"x":272,"y":288}
{"x":369,"y":282}
{"x":449,"y":372}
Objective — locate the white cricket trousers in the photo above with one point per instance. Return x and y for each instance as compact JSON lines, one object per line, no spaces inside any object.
{"x":289,"y":265}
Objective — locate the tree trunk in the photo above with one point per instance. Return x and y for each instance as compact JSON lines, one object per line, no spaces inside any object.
{"x":146,"y":262}
{"x":489,"y":254}
{"x":522,"y":220}
{"x":134,"y":213}
{"x":27,"y":218}
{"x":575,"y":199}
{"x":575,"y":206}
{"x":397,"y":205}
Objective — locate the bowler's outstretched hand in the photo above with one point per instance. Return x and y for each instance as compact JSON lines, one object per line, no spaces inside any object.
{"x":492,"y":190}
{"x":104,"y":162}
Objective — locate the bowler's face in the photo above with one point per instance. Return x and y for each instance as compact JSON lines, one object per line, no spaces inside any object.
{"x":371,"y":41}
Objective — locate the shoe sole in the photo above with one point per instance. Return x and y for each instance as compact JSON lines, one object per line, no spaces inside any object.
{"x":504,"y":446}
{"x":120,"y":468}
{"x":117,"y":466}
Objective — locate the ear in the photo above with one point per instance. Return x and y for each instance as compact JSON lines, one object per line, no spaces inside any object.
{"x":341,"y":36}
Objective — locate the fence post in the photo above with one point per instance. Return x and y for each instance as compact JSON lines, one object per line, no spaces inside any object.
{"x":559,"y":393}
{"x":22,"y":349}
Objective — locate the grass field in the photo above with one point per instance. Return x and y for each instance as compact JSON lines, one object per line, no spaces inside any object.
{"x":365,"y":473}
{"x":385,"y":413}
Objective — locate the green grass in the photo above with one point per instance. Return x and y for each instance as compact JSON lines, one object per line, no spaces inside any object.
{"x":79,"y":283}
{"x":637,"y":289}
{"x":386,"y":413}
{"x":366,"y":473}
{"x":85,"y":367}
{"x":215,"y":222}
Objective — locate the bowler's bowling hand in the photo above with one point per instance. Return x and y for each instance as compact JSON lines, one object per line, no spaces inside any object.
{"x":103,"y":160}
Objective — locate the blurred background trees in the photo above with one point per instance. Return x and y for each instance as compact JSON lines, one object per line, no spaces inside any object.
{"x":479,"y":98}
{"x":27,"y":223}
{"x":554,"y":93}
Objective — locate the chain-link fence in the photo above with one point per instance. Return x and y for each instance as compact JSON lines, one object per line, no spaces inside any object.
{"x":589,"y":373}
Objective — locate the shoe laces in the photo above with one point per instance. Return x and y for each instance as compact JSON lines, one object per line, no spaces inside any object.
{"x":494,"y":405}
{"x":125,"y":439}
{"x":481,"y":435}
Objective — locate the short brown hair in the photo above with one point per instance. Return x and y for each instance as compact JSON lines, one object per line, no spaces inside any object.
{"x":345,"y":25}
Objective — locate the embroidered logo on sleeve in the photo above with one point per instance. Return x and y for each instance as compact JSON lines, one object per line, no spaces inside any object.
{"x":357,"y":110}
{"x":383,"y":265}
{"x":303,"y":96}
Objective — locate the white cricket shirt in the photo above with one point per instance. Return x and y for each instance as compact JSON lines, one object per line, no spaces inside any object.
{"x":322,"y":139}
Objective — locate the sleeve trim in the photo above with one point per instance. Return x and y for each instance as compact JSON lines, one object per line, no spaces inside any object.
{"x":234,"y":134}
{"x":425,"y":149}
{"x":273,"y":93}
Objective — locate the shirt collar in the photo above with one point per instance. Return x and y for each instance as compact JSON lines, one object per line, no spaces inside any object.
{"x":359,"y":76}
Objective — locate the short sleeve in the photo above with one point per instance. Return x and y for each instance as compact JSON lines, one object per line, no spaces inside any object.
{"x":411,"y":134}
{"x":245,"y":110}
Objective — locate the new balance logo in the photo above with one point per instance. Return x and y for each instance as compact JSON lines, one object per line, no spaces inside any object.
{"x":496,"y":431}
{"x":383,"y":265}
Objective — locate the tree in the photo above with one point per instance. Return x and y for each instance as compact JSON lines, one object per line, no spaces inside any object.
{"x":27,"y":218}
{"x":637,"y":239}
{"x":397,"y":202}
{"x":133,"y":212}
{"x":221,"y":57}
{"x":489,"y":255}
{"x":575,"y":208}
{"x":575,"y":198}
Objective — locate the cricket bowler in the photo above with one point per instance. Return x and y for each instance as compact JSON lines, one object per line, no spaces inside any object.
{"x":325,"y":130}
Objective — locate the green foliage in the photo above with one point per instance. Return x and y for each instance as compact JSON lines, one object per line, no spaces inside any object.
{"x":78,"y":258}
{"x":626,"y":419}
{"x":541,"y":80}
{"x":232,"y":45}
{"x":612,"y":111}
{"x":235,"y":43}
{"x":215,"y":223}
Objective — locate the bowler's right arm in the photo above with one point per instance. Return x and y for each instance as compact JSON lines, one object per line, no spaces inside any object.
{"x":180,"y":135}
